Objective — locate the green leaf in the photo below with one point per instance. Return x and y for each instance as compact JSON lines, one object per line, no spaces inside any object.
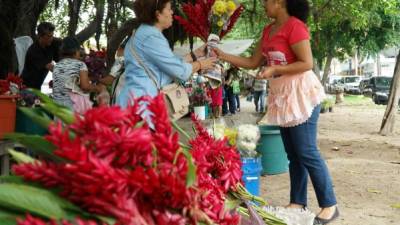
{"x":38,"y":117}
{"x":11,"y":179}
{"x":21,"y":157}
{"x":231,"y":203}
{"x":8,"y":221}
{"x":36,"y":144}
{"x":59,"y":111}
{"x":38,"y":201}
{"x":191,"y":174}
{"x":65,"y":115}
{"x":8,"y":217}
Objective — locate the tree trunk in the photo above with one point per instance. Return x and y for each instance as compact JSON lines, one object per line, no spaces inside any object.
{"x":93,"y":26}
{"x":115,"y":40}
{"x":74,"y":7}
{"x":316,"y":69}
{"x":28,"y":15}
{"x":18,"y":18}
{"x":327,"y":68}
{"x":388,"y":121}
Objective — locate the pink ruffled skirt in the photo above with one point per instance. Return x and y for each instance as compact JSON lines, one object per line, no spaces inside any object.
{"x":80,"y":103}
{"x":292,"y":98}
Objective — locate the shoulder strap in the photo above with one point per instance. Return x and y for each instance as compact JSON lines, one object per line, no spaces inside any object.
{"x":141,"y":63}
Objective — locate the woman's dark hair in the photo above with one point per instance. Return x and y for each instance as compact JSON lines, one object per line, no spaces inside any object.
{"x":298,"y":8}
{"x":145,"y":10}
{"x":69,"y":46}
{"x":45,"y":28}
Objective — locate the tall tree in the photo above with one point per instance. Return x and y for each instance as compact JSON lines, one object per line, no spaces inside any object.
{"x":389,"y":118}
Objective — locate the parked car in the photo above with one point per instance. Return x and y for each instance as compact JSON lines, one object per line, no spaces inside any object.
{"x":352,"y":84}
{"x":332,"y":82}
{"x":378,"y":89}
{"x":363,"y":85}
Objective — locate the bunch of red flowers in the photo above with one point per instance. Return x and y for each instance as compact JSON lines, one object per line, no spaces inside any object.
{"x":114,"y":165}
{"x":11,"y":85}
{"x":196,"y":21}
{"x":96,"y":63}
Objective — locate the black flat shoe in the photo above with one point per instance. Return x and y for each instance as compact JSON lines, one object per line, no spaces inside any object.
{"x":321,"y":221}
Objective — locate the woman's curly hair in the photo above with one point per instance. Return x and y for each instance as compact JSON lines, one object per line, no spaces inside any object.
{"x":298,"y":8}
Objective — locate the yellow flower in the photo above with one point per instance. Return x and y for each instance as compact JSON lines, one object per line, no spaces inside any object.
{"x":219,"y":7}
{"x":231,"y":135}
{"x":220,"y":23}
{"x":231,"y":6}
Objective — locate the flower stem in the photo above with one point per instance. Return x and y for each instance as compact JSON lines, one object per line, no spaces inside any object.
{"x":180,"y":130}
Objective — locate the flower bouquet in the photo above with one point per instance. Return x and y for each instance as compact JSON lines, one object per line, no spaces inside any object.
{"x":198,"y":97}
{"x":109,"y":167}
{"x":247,"y":140}
{"x":199,"y":100}
{"x":11,"y":85}
{"x":210,"y":20}
{"x":96,"y":63}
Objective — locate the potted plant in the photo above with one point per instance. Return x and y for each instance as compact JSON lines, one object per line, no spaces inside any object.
{"x":199,"y":100}
{"x":9,"y":89}
{"x":327,"y":105}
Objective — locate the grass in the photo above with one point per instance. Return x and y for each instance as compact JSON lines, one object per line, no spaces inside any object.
{"x":357,"y":100}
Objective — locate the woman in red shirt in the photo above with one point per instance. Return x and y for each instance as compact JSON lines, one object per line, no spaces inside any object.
{"x":295,"y":94}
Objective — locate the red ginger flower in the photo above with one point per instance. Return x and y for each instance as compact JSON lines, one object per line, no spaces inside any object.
{"x":116,"y":168}
{"x":30,"y":220}
{"x":44,"y":172}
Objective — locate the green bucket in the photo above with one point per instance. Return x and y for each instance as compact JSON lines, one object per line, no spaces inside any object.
{"x":24,"y":124}
{"x":273,"y":156}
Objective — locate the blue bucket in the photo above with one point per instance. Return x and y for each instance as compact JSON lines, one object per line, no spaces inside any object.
{"x":252,"y":168}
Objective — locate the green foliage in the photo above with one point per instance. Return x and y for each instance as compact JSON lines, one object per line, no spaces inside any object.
{"x":59,"y":111}
{"x":36,"y":143}
{"x":327,"y":103}
{"x":252,"y":21}
{"x":20,"y":157}
{"x":340,"y":28}
{"x":23,"y":198}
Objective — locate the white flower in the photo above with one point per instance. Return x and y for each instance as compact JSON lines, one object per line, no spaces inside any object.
{"x":247,"y":139}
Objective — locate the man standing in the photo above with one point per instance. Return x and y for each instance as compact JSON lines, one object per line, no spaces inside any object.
{"x":260,"y":89}
{"x":40,"y":56}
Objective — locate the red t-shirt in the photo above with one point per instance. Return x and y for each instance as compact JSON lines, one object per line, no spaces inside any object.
{"x":276,"y":49}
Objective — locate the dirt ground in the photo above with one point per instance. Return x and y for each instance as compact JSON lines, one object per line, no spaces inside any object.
{"x":365,"y":166}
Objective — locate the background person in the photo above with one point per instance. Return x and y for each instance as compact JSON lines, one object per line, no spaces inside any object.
{"x":40,"y":56}
{"x":71,"y":83}
{"x":154,"y":51}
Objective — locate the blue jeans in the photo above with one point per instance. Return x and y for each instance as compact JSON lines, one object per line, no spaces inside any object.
{"x":237,"y":98}
{"x":305,"y":159}
{"x":229,"y":100}
{"x":259,"y":100}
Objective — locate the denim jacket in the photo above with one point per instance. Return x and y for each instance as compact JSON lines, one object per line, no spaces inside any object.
{"x":154,"y":51}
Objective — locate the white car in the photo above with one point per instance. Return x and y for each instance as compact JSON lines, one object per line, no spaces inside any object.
{"x":352,"y":84}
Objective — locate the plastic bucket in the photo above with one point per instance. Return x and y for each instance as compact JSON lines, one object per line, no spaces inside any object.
{"x":200,"y":112}
{"x":8,"y":107}
{"x":252,"y":168}
{"x":273,"y":156}
{"x":24,"y":124}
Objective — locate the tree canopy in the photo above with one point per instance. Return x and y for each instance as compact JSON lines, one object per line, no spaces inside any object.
{"x":339,"y":28}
